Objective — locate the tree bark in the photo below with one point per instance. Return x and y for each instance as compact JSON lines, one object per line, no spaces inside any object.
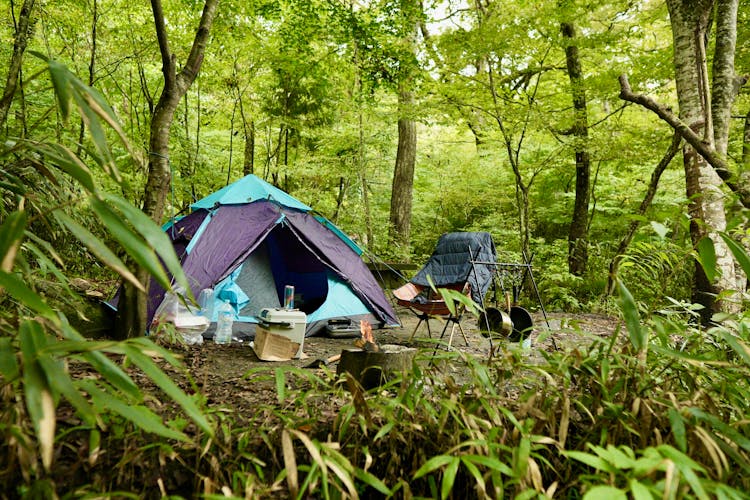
{"x":21,"y":40}
{"x":724,"y":91}
{"x":403,"y":174}
{"x":578,"y":234}
{"x":689,"y":20}
{"x":132,"y":308}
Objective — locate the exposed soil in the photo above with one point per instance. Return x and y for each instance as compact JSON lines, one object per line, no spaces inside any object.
{"x":220,"y":371}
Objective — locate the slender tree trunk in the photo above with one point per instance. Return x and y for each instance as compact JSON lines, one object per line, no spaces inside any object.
{"x":248,"y":129}
{"x":132,"y":308}
{"x":653,"y":184}
{"x":406,"y":155}
{"x":369,"y":236}
{"x":724,"y":90}
{"x":23,"y":33}
{"x":578,"y":234}
{"x":403,"y":174}
{"x":689,"y":20}
{"x":92,"y":69}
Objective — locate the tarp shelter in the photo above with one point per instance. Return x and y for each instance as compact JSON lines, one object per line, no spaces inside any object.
{"x":250,"y":239}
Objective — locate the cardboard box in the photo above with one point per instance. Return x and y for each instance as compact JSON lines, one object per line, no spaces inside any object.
{"x":286,"y":323}
{"x":271,"y":347}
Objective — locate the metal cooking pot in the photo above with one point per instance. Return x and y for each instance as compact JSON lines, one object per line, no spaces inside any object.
{"x":498,"y":322}
{"x":521,"y":318}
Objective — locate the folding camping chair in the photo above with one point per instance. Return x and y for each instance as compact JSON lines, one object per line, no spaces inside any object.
{"x":425,"y":303}
{"x":450,"y":266}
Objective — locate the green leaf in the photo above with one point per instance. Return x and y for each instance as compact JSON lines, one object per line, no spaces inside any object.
{"x":449,"y":477}
{"x":60,"y":77}
{"x":738,"y":251}
{"x":638,"y":335}
{"x":707,"y":257}
{"x":372,"y":481}
{"x":591,"y":460}
{"x":639,"y":491}
{"x":280,"y":379}
{"x":68,"y":162}
{"x":678,"y":429}
{"x":723,"y":428}
{"x":140,"y":416}
{"x":99,"y":249}
{"x":154,"y":236}
{"x":26,"y":296}
{"x":140,"y":251}
{"x":37,"y":392}
{"x":490,"y":463}
{"x":11,"y":235}
{"x":60,"y":381}
{"x":432,"y":465}
{"x":605,"y":493}
{"x":521,"y":460}
{"x":8,"y":361}
{"x":165,"y":383}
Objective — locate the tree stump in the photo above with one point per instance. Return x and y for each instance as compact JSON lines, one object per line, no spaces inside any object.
{"x":372,"y":369}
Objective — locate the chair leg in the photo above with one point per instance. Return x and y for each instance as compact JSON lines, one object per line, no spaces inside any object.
{"x":461,"y":328}
{"x":450,"y":339}
{"x":422,"y":318}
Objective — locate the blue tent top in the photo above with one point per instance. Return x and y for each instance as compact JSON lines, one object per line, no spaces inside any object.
{"x":246,"y":190}
{"x":252,"y":188}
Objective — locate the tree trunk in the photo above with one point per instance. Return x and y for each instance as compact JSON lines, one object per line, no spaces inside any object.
{"x":689,"y":20}
{"x":132,"y":310}
{"x":21,"y":40}
{"x":578,"y":235}
{"x":403,"y":174}
{"x":724,"y":91}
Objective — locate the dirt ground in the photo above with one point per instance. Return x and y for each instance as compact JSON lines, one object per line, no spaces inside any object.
{"x":220,"y":370}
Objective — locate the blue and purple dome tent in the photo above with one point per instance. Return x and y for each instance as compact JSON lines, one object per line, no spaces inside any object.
{"x":249,"y":240}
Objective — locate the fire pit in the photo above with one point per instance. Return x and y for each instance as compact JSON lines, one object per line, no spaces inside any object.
{"x":372,"y":364}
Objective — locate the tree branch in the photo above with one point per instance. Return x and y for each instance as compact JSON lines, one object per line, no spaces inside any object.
{"x":195,"y":58}
{"x":681,"y":128}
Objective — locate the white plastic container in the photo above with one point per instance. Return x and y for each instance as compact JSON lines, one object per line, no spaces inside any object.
{"x":225,"y":318}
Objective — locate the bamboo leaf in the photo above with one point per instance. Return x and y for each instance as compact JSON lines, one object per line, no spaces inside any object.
{"x":11,"y":235}
{"x":99,"y":249}
{"x":372,"y":481}
{"x":166,"y":384}
{"x":140,"y":416}
{"x":475,"y":473}
{"x":280,"y":380}
{"x":639,"y":490}
{"x":605,"y":493}
{"x":436,"y":462}
{"x":26,"y":296}
{"x":61,"y":382}
{"x":290,"y":463}
{"x":154,"y":236}
{"x":707,"y":257}
{"x":8,"y":361}
{"x":638,"y":335}
{"x":141,"y":252}
{"x":68,"y":162}
{"x":490,"y":462}
{"x":738,"y":252}
{"x":591,"y":460}
{"x":449,"y":477}
{"x":60,"y":77}
{"x":678,"y":428}
{"x":37,"y":392}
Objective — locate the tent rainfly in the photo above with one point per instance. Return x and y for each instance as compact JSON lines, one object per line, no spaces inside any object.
{"x":250,"y":239}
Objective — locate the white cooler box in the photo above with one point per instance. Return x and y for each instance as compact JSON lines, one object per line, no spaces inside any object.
{"x":289,"y":323}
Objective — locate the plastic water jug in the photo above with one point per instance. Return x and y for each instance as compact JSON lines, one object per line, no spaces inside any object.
{"x":224,"y":322}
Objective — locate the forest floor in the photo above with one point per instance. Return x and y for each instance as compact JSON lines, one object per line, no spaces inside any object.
{"x":221,"y":371}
